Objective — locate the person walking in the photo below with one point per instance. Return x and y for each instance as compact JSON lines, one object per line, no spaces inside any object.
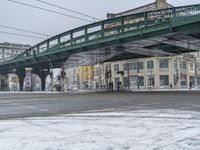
{"x":118,"y":85}
{"x":190,"y":84}
{"x":171,"y":87}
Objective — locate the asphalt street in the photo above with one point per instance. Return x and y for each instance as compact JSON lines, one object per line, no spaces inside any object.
{"x":20,"y":105}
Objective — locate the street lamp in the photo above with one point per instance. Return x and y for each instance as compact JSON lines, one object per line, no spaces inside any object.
{"x":51,"y":70}
{"x":138,"y":78}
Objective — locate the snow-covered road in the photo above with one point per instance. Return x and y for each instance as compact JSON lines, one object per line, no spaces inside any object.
{"x":136,"y":130}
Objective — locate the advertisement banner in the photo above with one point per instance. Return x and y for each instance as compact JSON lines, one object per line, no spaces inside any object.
{"x":28,"y":80}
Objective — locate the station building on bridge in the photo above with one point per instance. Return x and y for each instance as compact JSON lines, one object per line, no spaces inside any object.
{"x":158,"y":4}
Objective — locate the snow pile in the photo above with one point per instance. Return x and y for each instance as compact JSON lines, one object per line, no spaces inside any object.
{"x":138,"y":130}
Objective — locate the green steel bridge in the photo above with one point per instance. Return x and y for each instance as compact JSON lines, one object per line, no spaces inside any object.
{"x":163,"y":32}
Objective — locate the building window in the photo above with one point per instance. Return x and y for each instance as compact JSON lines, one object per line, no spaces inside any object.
{"x":192,"y":79}
{"x":96,"y":72}
{"x":164,"y":80}
{"x":141,"y":80}
{"x":136,"y":66}
{"x":100,"y":72}
{"x":116,"y":67}
{"x":191,"y":66}
{"x":116,"y":82}
{"x":183,"y":65}
{"x":175,"y":64}
{"x":133,"y":66}
{"x":151,"y":80}
{"x":164,"y":63}
{"x":126,"y":82}
{"x":150,"y":64}
{"x":125,"y":67}
{"x":140,"y":65}
{"x":183,"y":79}
{"x":135,"y":80}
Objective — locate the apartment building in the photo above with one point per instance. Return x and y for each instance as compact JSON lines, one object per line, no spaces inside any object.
{"x":146,"y":73}
{"x":9,"y":51}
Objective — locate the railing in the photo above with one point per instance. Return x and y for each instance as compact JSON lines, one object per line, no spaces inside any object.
{"x":115,"y":26}
{"x":6,"y":59}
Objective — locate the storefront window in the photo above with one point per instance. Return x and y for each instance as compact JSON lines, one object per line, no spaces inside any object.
{"x":164,"y":80}
{"x":151,"y":80}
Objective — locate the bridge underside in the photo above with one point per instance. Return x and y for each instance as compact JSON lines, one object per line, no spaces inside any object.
{"x":166,"y":45}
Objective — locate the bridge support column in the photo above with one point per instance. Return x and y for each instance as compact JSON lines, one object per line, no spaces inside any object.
{"x":43,"y":81}
{"x":43,"y":75}
{"x":29,"y":79}
{"x":21,"y":75}
{"x":4,"y":82}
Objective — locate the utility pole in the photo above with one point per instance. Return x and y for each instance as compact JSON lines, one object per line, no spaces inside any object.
{"x":195,"y":72}
{"x":50,"y":63}
{"x":138,"y":79}
{"x":128,"y":72}
{"x":63,"y":77}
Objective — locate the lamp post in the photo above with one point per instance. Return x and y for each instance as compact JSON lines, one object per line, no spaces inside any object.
{"x":138,"y":78}
{"x":51,"y":70}
{"x":63,"y":74}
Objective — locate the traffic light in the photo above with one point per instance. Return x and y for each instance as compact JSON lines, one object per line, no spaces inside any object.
{"x":177,"y":75}
{"x":120,"y":72}
{"x":58,"y":78}
{"x":107,"y":75}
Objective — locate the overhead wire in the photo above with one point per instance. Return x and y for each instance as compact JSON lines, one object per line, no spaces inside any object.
{"x":48,"y":10}
{"x":24,"y":35}
{"x":18,"y":29}
{"x":83,"y":14}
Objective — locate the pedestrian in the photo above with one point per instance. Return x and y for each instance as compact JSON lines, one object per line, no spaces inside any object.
{"x":171,"y":87}
{"x":111,"y":86}
{"x":190,"y":85}
{"x":118,"y":86}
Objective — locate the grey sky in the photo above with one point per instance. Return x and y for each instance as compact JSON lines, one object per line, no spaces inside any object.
{"x":19,"y":16}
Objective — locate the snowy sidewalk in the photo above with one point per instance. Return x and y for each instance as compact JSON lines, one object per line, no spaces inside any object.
{"x":136,"y":130}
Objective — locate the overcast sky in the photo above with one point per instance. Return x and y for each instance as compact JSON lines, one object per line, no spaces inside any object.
{"x":27,"y":18}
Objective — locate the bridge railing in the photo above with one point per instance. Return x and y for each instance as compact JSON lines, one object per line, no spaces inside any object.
{"x":6,"y":59}
{"x":115,"y":26}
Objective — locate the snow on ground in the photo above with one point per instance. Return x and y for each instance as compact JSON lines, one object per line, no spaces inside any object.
{"x":135,"y":130}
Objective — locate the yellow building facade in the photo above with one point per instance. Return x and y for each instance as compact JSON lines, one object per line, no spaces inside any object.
{"x":86,"y":73}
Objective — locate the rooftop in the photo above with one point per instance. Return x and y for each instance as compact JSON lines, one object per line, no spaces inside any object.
{"x":158,"y":4}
